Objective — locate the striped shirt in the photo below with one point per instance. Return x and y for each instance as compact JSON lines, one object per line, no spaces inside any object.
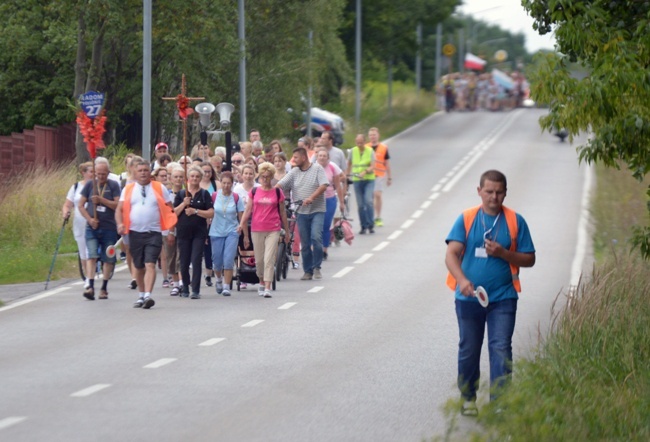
{"x":303,"y":183}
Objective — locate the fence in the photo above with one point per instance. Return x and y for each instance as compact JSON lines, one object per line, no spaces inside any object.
{"x":41,"y":146}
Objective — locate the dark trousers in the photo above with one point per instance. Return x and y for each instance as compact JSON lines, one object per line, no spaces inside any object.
{"x":191,"y":252}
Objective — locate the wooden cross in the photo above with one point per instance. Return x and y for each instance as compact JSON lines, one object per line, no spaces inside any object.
{"x":182,"y":99}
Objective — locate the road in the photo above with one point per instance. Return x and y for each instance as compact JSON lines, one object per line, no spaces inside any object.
{"x":366,"y":354}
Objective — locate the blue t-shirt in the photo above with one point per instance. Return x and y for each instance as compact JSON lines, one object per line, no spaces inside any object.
{"x":492,"y":273}
{"x":225,"y":220}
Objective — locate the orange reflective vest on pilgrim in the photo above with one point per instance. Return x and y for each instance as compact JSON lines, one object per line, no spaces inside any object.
{"x":168,"y":218}
{"x":469,"y":215}
{"x":380,"y":158}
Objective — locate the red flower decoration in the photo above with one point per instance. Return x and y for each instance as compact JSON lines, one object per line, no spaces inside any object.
{"x":92,"y":131}
{"x":183,"y":106}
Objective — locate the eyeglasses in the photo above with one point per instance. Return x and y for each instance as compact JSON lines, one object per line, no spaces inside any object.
{"x":266,"y":177}
{"x":237,"y":162}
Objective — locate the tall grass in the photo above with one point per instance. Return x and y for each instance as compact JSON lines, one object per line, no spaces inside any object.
{"x":590,"y":377}
{"x":30,"y":222}
{"x":408,"y":107}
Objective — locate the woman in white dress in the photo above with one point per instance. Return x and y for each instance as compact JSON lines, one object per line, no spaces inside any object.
{"x":72,"y":203}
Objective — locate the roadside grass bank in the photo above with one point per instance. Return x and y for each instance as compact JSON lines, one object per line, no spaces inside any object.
{"x":30,"y":222}
{"x":408,"y":107}
{"x":589,"y":378}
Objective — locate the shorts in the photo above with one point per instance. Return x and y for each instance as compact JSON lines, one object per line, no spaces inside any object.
{"x":97,"y":241}
{"x":380,"y":183}
{"x":145,"y":247}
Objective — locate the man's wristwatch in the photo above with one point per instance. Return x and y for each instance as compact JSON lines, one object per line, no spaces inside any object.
{"x":196,"y":211}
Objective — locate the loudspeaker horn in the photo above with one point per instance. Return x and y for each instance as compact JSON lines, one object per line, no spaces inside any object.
{"x":205,"y":111}
{"x":224,"y":110}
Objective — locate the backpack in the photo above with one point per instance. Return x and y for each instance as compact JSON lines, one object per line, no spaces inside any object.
{"x":235,"y":195}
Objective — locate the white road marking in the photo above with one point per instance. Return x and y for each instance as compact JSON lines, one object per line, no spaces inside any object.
{"x":449,"y":174}
{"x":434,"y":196}
{"x":436,"y":187}
{"x":11,"y":420}
{"x":417,"y":214}
{"x":481,"y":147}
{"x":160,"y":362}
{"x":90,"y":390}
{"x":395,"y":234}
{"x":381,"y":246}
{"x":316,"y":289}
{"x":425,"y":205}
{"x":120,"y":268}
{"x":35,"y":298}
{"x":253,"y":323}
{"x":77,"y":283}
{"x":366,"y":256}
{"x":212,"y":341}
{"x":407,"y":223}
{"x":443,"y":180}
{"x":581,"y":245}
{"x":344,"y":271}
{"x":287,"y":306}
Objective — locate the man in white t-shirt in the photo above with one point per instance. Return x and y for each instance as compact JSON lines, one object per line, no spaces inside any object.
{"x":145,"y":212}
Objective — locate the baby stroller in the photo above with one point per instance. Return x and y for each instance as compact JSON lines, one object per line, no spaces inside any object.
{"x":245,"y":271}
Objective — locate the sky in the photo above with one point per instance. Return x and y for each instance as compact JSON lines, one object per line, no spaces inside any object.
{"x":510,"y":15}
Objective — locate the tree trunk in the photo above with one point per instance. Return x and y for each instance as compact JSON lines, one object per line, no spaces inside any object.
{"x":390,"y":85}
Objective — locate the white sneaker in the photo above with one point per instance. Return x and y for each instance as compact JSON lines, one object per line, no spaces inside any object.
{"x":267,"y":294}
{"x":219,"y":285}
{"x":296,"y":265}
{"x":260,"y":290}
{"x":225,"y":292}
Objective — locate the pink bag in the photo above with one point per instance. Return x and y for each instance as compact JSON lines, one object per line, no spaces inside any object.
{"x":343,"y":230}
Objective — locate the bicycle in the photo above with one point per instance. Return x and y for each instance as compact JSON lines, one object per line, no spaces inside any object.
{"x":284,"y":255}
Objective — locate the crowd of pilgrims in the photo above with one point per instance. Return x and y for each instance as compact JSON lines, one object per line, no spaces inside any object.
{"x":215,"y":213}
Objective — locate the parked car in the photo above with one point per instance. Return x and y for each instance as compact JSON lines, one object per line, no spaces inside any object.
{"x":321,"y":120}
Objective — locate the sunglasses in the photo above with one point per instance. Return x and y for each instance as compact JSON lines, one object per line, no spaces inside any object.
{"x":237,"y":162}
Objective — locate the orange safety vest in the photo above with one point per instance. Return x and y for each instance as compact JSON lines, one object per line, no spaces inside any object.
{"x":168,"y":218}
{"x":380,"y":159}
{"x":469,"y":215}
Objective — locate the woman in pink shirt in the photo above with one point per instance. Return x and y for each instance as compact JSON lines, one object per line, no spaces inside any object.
{"x":334,"y":190}
{"x":265,"y":206}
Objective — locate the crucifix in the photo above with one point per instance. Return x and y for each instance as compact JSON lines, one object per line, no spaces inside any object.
{"x":182,"y":104}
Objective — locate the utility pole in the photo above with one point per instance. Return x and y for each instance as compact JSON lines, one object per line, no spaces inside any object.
{"x":242,"y":72}
{"x":357,"y":112}
{"x":438,"y":52}
{"x":309,"y":105}
{"x":418,"y":58}
{"x":146,"y":80}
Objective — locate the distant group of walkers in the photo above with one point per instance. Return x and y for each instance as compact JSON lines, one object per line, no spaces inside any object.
{"x":192,"y":219}
{"x":470,"y":91}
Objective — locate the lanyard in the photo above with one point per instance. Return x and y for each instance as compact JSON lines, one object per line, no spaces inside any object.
{"x":488,"y":231}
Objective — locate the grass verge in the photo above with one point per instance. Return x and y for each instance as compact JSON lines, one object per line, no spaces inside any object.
{"x":589,"y":379}
{"x":30,"y":223}
{"x":408,"y":107}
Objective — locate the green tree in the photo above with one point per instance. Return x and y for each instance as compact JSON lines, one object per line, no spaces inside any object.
{"x":611,"y":40}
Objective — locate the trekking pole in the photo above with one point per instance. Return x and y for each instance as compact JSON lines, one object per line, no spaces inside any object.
{"x":56,"y":251}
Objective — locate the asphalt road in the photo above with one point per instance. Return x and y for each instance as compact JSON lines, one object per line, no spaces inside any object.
{"x":366,"y":354}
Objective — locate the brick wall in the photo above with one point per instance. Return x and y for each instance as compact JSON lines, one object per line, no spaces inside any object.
{"x":41,"y":146}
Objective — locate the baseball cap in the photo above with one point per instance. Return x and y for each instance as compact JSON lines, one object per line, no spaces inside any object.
{"x":161,"y":146}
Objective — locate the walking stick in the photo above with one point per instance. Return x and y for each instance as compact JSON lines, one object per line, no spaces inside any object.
{"x":56,"y":252}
